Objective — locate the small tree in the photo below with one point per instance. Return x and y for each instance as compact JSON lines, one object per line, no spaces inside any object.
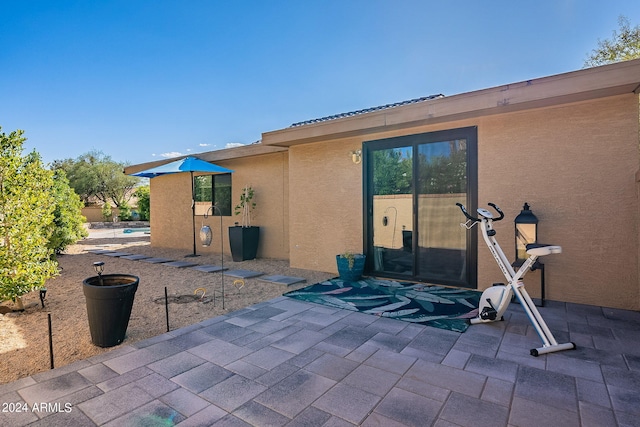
{"x":144,"y":202}
{"x":96,"y":175}
{"x":26,"y":216}
{"x":68,"y":219}
{"x":623,"y":46}
{"x":246,"y":205}
{"x":106,"y":211}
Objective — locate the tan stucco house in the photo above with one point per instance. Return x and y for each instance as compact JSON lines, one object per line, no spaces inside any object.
{"x":385,"y":181}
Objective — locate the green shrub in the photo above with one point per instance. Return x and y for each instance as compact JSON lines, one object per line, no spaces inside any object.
{"x":106,"y":212}
{"x":26,"y":218}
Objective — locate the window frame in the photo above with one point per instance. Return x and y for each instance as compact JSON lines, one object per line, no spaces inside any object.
{"x":217,"y":181}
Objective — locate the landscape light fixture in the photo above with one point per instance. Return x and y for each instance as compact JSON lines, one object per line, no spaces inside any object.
{"x":99,"y":268}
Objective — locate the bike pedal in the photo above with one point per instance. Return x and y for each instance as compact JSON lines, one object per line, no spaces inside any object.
{"x":488,"y":314}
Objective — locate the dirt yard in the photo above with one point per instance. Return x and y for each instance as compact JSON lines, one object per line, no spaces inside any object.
{"x":24,"y":340}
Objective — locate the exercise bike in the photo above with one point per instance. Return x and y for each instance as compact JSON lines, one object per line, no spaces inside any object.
{"x":495,"y":300}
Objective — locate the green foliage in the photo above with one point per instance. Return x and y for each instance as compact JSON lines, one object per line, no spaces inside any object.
{"x":444,"y":173}
{"x":68,"y":220}
{"x":350,"y":257}
{"x":442,"y":169}
{"x":26,"y":216}
{"x":623,"y":46}
{"x":95,"y":174}
{"x":392,"y":171}
{"x":144,"y":202}
{"x":246,"y":205}
{"x":106,"y":211}
{"x":124,"y":212}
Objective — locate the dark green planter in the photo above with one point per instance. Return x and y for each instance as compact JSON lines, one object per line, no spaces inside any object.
{"x":351,"y":274}
{"x":109,"y":302}
{"x":244,"y":242}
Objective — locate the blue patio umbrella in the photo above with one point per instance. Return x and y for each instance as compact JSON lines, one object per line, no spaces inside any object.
{"x":187,"y":164}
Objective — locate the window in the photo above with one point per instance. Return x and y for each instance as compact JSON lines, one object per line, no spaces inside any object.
{"x":213,"y":190}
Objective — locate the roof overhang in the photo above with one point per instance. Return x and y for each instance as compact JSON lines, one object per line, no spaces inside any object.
{"x":592,"y":83}
{"x":213,"y":156}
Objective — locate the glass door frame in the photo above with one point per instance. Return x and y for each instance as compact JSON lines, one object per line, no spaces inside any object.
{"x":414,"y":141}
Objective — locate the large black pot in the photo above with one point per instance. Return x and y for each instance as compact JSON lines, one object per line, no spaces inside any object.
{"x":244,"y":242}
{"x":109,"y":301}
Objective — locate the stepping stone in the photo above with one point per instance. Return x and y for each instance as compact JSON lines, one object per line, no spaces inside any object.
{"x":100,"y":251}
{"x":180,"y":264}
{"x":282,"y":280}
{"x":243,"y":274}
{"x":135,"y":257}
{"x":116,"y":254}
{"x":209,"y":268}
{"x":156,"y":260}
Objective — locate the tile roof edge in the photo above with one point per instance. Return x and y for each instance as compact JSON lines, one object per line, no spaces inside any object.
{"x":367,"y":110}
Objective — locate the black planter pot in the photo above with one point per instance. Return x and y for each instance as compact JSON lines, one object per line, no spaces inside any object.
{"x":244,"y":242}
{"x":109,"y":302}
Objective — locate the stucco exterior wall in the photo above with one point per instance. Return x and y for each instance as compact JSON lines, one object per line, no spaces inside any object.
{"x":267,"y":174}
{"x":325,"y":188}
{"x":575,"y":164}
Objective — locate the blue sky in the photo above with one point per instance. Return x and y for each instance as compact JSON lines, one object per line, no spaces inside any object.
{"x":141,"y":80}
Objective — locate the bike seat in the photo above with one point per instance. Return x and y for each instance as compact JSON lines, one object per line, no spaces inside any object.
{"x":539,"y":249}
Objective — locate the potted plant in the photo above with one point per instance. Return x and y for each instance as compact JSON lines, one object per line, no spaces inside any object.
{"x":244,"y":238}
{"x":350,"y":266}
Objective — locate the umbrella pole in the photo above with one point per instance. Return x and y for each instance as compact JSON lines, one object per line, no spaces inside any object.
{"x":193,"y":216}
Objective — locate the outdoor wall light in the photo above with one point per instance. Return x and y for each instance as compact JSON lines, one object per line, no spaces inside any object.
{"x":356,"y":156}
{"x":526,"y":227}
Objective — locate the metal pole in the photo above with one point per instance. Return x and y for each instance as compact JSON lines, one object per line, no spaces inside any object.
{"x":166,"y":306}
{"x":50,"y":341}
{"x":222,"y":256}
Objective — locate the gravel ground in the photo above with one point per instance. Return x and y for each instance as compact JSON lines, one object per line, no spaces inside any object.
{"x":24,"y":342}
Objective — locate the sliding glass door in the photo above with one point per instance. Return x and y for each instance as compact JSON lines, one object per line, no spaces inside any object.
{"x":412,"y":223}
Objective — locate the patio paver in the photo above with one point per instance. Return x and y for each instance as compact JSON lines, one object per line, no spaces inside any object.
{"x":156,"y":260}
{"x":286,"y":362}
{"x":180,"y":264}
{"x":243,"y":274}
{"x":116,"y":254}
{"x":135,"y":257}
{"x":209,"y":268}
{"x":282,"y":280}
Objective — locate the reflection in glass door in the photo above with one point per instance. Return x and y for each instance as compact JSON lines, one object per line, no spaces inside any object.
{"x":442,"y":182}
{"x":392,"y":209}
{"x":412,"y":225}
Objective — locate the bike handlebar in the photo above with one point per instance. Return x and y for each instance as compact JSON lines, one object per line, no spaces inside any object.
{"x":464,"y":211}
{"x":474,"y":219}
{"x":493,"y":205}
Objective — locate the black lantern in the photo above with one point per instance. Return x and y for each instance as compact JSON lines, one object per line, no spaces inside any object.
{"x":526,"y":232}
